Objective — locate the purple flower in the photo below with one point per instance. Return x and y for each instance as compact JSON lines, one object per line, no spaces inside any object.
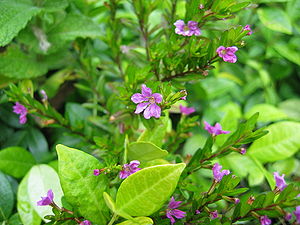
{"x":215,"y":130}
{"x":264,"y":220}
{"x":187,"y":30}
{"x":218,"y":174}
{"x":22,"y":111}
{"x":288,"y":216}
{"x":129,"y":169}
{"x":247,"y":27}
{"x":172,"y":211}
{"x":297,"y":214}
{"x":243,"y":151}
{"x":214,"y":215}
{"x":280,"y":182}
{"x":184,"y":92}
{"x":227,"y":53}
{"x":147,"y":102}
{"x":96,"y":172}
{"x":197,"y":211}
{"x":85,"y":222}
{"x":46,"y":200}
{"x":186,"y":110}
{"x":236,"y":200}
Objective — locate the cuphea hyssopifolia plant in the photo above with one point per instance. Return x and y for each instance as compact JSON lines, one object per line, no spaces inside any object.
{"x":135,"y":183}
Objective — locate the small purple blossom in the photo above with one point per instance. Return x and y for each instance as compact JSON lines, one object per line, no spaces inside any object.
{"x":85,"y":222}
{"x":186,"y":110}
{"x":197,"y":211}
{"x":46,"y":200}
{"x":147,"y":102}
{"x":243,"y":151}
{"x":236,"y":200}
{"x":280,"y":182}
{"x":129,"y":169}
{"x":297,"y":214}
{"x":22,"y":111}
{"x":228,"y":54}
{"x":187,"y":30}
{"x":218,"y":174}
{"x":248,"y":28}
{"x":172,"y":211}
{"x":214,"y":215}
{"x":215,"y":130}
{"x":96,"y":172}
{"x":288,"y":216}
{"x":264,"y":220}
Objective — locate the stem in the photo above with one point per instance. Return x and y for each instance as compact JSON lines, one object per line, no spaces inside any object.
{"x":113,"y":219}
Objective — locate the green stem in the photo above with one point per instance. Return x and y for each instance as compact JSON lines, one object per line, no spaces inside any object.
{"x":113,"y":219}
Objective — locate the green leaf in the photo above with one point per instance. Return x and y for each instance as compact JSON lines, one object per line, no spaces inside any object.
{"x":14,"y":63}
{"x":16,"y":161}
{"x":287,"y":51}
{"x":6,"y":198}
{"x":54,"y":5}
{"x":291,"y":108}
{"x":275,"y":19}
{"x":145,"y":151}
{"x":41,"y":178}
{"x":138,"y":221}
{"x":267,"y":113}
{"x":26,"y":211}
{"x":82,"y":189}
{"x":145,"y":191}
{"x":282,"y":142}
{"x":14,"y":15}
{"x":77,"y":115}
{"x":15,"y":220}
{"x":37,"y":143}
{"x":109,"y":202}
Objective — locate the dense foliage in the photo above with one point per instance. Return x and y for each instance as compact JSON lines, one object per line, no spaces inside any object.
{"x":149,"y":112}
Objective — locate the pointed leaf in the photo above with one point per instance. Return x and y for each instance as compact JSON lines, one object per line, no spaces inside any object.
{"x":6,"y":198}
{"x":145,"y":151}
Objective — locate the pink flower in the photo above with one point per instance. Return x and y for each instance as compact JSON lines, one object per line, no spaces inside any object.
{"x":280,"y":182}
{"x":186,"y":110}
{"x":227,"y":53}
{"x":247,"y":27}
{"x":46,"y":200}
{"x":218,"y":174}
{"x":187,"y":30}
{"x":214,"y":215}
{"x":85,"y":222}
{"x":215,"y":130}
{"x":172,"y":211}
{"x":297,"y":214}
{"x":147,"y":102}
{"x":264,"y":220}
{"x":129,"y":169}
{"x":197,"y":211}
{"x":22,"y":111}
{"x":96,"y":172}
{"x":236,"y":200}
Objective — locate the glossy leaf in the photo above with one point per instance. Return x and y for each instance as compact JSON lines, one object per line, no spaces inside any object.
{"x":145,"y":191}
{"x":138,"y":221}
{"x":145,"y":151}
{"x":26,"y":212}
{"x":41,"y":178}
{"x":6,"y":198}
{"x":82,"y":189}
{"x":16,"y":161}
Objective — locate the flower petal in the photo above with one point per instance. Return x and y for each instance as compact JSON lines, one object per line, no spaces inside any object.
{"x":138,"y":98}
{"x":140,"y":107}
{"x":146,"y":92}
{"x":155,"y":110}
{"x":157,"y":97}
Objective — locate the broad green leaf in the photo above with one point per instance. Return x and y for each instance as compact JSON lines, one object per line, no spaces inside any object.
{"x":145,"y":191}
{"x":27,"y":214}
{"x":267,"y":113}
{"x":287,"y":51}
{"x":275,"y":19}
{"x":54,"y":5}
{"x":145,"y":151}
{"x":6,"y":198}
{"x":82,"y":189}
{"x":41,"y":178}
{"x":291,"y":108}
{"x":193,"y":143}
{"x":293,"y":9}
{"x":37,"y":143}
{"x":16,"y":161}
{"x":14,"y":15}
{"x":138,"y":221}
{"x":282,"y":142}
{"x":15,"y":220}
{"x":14,"y":63}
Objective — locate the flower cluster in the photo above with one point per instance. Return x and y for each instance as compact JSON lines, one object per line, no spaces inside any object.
{"x":187,"y":30}
{"x":218,"y":174}
{"x":22,"y":111}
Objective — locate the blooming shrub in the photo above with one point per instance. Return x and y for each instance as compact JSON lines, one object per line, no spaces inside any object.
{"x":109,"y":109}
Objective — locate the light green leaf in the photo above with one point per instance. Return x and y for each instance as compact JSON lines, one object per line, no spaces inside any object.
{"x":41,"y":178}
{"x":14,"y":15}
{"x":282,"y":142}
{"x":145,"y":191}
{"x":275,"y":19}
{"x":82,"y":189}
{"x":145,"y":151}
{"x":6,"y":198}
{"x":27,"y":214}
{"x":16,"y":64}
{"x":291,"y":108}
{"x":267,"y":113}
{"x":287,"y":166}
{"x":193,"y":143}
{"x":109,"y":202}
{"x":54,"y":5}
{"x":138,"y":221}
{"x":16,"y":161}
{"x":287,"y":51}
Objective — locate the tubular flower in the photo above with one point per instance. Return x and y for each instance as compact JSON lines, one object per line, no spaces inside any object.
{"x":186,"y":110}
{"x":215,"y":130}
{"x":214,"y":215}
{"x":129,"y":169}
{"x":172,"y":211}
{"x":147,"y":102}
{"x":264,"y":220}
{"x":187,"y":30}
{"x":280,"y":182}
{"x":297,"y":214}
{"x":218,"y":174}
{"x":228,"y":54}
{"x":46,"y":200}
